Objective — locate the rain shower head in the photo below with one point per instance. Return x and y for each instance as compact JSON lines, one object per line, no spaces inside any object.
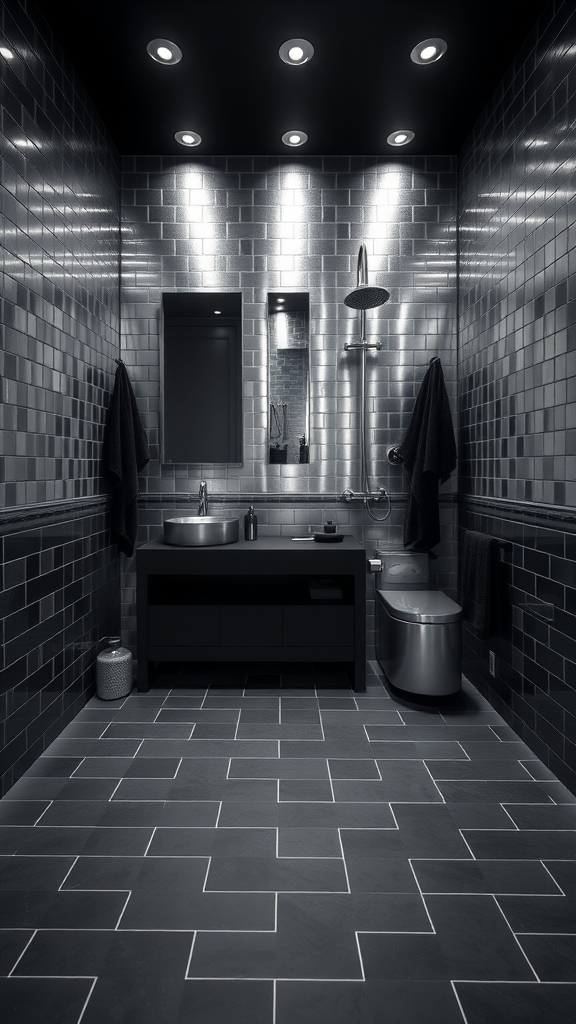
{"x":365,"y":296}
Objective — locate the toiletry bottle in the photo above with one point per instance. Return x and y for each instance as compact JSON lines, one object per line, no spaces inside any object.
{"x":250,"y":524}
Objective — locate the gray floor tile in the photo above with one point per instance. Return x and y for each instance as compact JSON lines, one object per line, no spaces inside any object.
{"x":226,"y":1002}
{"x":427,"y":1002}
{"x":305,"y":790}
{"x":353,"y":768}
{"x":336,"y":815}
{"x":278,"y":833}
{"x":534,"y":845}
{"x":309,"y":842}
{"x":260,"y":874}
{"x":534,"y":817}
{"x":477,"y":770}
{"x":278,"y":768}
{"x":94,"y":910}
{"x":310,"y":1002}
{"x":517,"y":1002}
{"x":286,"y":731}
{"x":12,"y":944}
{"x":484,"y":876}
{"x":22,"y":812}
{"x":417,"y":751}
{"x":61,"y":999}
{"x":33,"y":873}
{"x":493,"y":792}
{"x":179,"y":909}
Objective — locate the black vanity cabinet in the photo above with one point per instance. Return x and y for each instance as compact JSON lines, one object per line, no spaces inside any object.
{"x":270,"y":600}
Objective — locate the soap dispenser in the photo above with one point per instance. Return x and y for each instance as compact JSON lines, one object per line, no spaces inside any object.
{"x":250,"y":524}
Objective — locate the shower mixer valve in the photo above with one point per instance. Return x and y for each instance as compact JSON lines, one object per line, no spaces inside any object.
{"x":350,"y":495}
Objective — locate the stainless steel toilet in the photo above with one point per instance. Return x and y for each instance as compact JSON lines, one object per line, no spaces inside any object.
{"x":418,"y":631}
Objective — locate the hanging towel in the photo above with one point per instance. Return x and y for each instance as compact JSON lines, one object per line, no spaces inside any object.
{"x":428,"y":450}
{"x":125,"y":455}
{"x":479,"y":583}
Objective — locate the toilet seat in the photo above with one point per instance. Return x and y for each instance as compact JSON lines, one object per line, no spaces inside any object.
{"x":425,"y":606}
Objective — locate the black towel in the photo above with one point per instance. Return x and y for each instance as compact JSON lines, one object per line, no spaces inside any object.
{"x":428,"y":450}
{"x":125,"y":455}
{"x":479,"y":583}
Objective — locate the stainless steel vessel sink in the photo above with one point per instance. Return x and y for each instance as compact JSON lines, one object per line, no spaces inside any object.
{"x":200,"y":531}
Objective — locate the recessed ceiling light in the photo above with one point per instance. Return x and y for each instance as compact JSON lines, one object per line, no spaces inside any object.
{"x":428,"y":51}
{"x":186,"y":138}
{"x":400,"y":137}
{"x":280,"y":300}
{"x":296,"y":51}
{"x":294,"y":138}
{"x":5,"y":52}
{"x":165,"y":52}
{"x":217,"y":312}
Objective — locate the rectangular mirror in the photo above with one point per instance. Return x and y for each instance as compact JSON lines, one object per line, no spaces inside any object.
{"x":288,"y":377}
{"x":201,"y":377}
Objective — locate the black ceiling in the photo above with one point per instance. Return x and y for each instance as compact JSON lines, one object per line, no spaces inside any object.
{"x":232,"y":87}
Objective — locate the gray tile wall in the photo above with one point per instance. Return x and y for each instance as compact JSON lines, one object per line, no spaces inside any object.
{"x":59,"y":317}
{"x":258,"y":224}
{"x":517,"y":375}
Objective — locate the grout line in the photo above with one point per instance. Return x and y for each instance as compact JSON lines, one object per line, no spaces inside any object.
{"x":569,"y":934}
{"x":434,"y":781}
{"x":123,"y":908}
{"x":274,"y":983}
{"x":344,"y":860}
{"x":87,"y":1000}
{"x":516,"y":938}
{"x":461,"y":831}
{"x":76,"y":768}
{"x":47,"y":808}
{"x":557,"y":884}
{"x":71,"y":868}
{"x":150,"y":840}
{"x":34,"y":933}
{"x":363,"y":978}
{"x":186,"y":975}
{"x":510,"y":816}
{"x":457,"y":997}
{"x":209,"y":859}
{"x":492,"y":727}
{"x":115,"y":789}
{"x":422,"y":898}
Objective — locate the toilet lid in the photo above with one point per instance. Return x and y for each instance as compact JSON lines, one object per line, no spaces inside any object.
{"x":421,"y":605}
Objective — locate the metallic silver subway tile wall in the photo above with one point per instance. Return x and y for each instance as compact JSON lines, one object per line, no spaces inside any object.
{"x":59,"y":317}
{"x":517,"y":378}
{"x":259,"y":224}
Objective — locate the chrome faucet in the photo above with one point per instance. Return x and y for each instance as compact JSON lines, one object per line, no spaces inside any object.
{"x":203,"y":496}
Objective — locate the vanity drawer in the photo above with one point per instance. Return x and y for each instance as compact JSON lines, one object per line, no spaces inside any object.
{"x":318,"y":627}
{"x":252,"y":625}
{"x":183,"y":625}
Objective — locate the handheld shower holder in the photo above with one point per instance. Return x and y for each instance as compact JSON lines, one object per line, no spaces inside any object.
{"x":362,"y":345}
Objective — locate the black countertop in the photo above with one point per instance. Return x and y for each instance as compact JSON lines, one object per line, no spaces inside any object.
{"x":262,"y":544}
{"x":264,"y":555}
